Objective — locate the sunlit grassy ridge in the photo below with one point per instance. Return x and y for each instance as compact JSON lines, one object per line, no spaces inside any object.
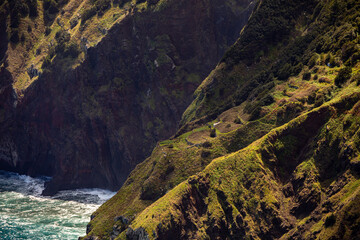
{"x":269,"y":147}
{"x":252,"y":180}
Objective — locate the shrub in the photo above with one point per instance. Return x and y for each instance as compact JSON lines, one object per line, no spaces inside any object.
{"x":343,"y":75}
{"x":151,"y":192}
{"x":316,"y":77}
{"x":213,"y":132}
{"x":207,"y":144}
{"x":330,"y":220}
{"x":205,"y":153}
{"x":306,"y":76}
{"x":47,"y":30}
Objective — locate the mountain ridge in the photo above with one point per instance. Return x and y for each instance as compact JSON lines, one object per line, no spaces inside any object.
{"x":269,"y":147}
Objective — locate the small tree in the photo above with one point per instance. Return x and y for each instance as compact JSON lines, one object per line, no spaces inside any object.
{"x":213,"y":132}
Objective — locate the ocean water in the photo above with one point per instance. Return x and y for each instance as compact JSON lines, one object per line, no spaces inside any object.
{"x":25,"y":214}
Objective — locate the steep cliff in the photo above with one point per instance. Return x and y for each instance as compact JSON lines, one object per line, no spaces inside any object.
{"x":105,"y":82}
{"x":269,"y":148}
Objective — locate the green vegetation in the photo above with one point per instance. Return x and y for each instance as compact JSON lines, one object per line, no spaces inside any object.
{"x":98,"y":7}
{"x":282,"y":160}
{"x":51,"y":8}
{"x":343,"y":76}
{"x":285,"y":155}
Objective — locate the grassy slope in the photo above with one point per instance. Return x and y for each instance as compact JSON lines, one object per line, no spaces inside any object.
{"x":244,"y":191}
{"x":37,"y":45}
{"x":273,"y":180}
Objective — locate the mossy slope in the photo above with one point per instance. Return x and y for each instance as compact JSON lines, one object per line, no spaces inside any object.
{"x":278,"y":89}
{"x":283,"y":185}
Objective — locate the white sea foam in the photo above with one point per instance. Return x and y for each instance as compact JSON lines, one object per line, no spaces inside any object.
{"x":25,"y":214}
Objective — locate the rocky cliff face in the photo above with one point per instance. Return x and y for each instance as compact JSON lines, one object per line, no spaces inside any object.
{"x":90,"y":124}
{"x":268,"y":149}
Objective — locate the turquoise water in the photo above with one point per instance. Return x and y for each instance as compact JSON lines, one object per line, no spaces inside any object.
{"x":25,"y":214}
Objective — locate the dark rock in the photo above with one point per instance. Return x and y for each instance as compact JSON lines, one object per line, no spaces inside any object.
{"x":32,"y":71}
{"x":137,"y":234}
{"x":122,"y":219}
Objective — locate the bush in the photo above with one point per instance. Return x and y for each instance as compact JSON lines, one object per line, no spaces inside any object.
{"x":205,"y":153}
{"x":306,"y":76}
{"x":213,"y":132}
{"x":47,"y":30}
{"x":343,"y":75}
{"x":207,"y":144}
{"x":330,"y":221}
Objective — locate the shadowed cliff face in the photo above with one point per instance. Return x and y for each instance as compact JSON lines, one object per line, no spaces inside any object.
{"x":89,"y":126}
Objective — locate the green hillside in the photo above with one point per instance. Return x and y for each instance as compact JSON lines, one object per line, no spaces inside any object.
{"x":268,"y":149}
